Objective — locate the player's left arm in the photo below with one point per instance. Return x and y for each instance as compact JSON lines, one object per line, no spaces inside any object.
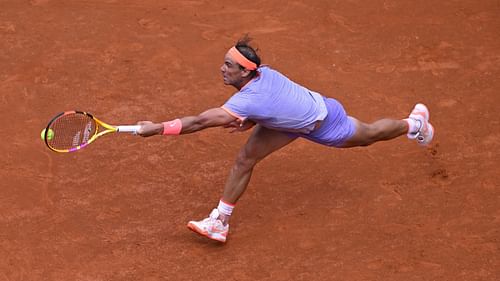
{"x":214,"y":117}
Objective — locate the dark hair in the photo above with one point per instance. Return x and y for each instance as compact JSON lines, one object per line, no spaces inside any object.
{"x":249,"y":52}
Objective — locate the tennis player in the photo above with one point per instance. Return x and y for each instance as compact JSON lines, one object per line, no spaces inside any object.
{"x":279,"y":111}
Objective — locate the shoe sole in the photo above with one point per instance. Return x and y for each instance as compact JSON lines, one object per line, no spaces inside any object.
{"x":196,"y":230}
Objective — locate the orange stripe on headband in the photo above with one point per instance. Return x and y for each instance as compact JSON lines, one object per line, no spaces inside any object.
{"x":241,"y":60}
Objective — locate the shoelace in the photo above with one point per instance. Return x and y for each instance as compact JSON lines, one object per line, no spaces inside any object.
{"x":213,"y":224}
{"x":417,"y":134}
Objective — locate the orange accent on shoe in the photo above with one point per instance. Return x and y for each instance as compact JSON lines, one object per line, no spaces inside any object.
{"x":195,"y":229}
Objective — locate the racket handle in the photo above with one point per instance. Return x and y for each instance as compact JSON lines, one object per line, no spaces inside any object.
{"x":128,"y":129}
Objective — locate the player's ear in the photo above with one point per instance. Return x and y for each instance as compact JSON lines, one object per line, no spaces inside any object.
{"x":245,"y":73}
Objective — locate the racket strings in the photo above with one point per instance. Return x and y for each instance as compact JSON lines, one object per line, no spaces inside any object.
{"x":71,"y":130}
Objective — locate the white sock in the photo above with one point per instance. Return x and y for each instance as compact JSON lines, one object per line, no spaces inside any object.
{"x":413,"y":125}
{"x":225,"y":208}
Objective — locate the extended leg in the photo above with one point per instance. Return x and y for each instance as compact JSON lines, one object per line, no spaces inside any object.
{"x":417,"y":127}
{"x":384,"y":129}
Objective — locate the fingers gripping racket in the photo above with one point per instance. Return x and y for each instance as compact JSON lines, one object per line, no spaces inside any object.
{"x":73,"y":130}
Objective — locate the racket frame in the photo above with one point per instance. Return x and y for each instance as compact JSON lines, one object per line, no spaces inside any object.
{"x":107,"y":129}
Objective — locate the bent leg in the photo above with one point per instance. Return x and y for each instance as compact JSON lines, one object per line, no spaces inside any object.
{"x":261,"y":143}
{"x":381,"y":130}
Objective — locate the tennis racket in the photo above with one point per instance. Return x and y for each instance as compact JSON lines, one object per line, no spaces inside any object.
{"x":73,"y":130}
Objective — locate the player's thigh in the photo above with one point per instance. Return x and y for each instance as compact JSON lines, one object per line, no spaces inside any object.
{"x":361,"y":136}
{"x":264,"y":141}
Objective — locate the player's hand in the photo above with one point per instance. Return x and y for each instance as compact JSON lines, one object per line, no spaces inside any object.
{"x":238,"y":126}
{"x":149,"y":128}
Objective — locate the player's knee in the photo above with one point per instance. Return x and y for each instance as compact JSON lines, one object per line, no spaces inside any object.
{"x":244,"y":161}
{"x":371,"y":134}
{"x":376,"y":133}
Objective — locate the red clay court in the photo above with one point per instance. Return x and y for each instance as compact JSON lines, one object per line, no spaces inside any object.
{"x":118,"y":209}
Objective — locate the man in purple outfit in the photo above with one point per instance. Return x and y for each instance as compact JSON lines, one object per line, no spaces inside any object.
{"x":281,"y":111}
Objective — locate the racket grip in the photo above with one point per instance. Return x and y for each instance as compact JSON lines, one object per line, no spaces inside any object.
{"x":128,"y":129}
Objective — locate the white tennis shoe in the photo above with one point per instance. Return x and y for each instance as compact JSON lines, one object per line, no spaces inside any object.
{"x":211,"y":227}
{"x":425,"y":132}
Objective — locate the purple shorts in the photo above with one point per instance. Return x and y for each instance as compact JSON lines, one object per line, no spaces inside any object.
{"x":335,"y":129}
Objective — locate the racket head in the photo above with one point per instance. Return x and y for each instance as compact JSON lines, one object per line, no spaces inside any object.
{"x":71,"y":131}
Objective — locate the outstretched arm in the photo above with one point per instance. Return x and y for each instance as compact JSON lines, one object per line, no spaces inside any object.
{"x":214,"y":117}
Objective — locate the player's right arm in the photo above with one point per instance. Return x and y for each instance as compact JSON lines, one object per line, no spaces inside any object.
{"x":214,"y":117}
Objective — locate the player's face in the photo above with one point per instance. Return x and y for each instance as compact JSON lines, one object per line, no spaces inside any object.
{"x":231,"y":72}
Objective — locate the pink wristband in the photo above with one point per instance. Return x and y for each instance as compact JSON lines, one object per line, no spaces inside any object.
{"x":173,"y":127}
